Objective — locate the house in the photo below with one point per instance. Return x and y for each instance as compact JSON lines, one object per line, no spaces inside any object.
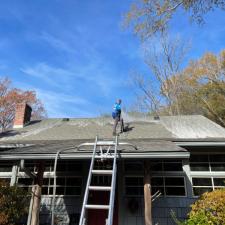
{"x":186,"y":156}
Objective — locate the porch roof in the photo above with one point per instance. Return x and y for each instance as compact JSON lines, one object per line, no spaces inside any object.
{"x":48,"y":150}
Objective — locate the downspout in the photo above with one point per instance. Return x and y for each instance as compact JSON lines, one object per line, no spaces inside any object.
{"x":54,"y":184}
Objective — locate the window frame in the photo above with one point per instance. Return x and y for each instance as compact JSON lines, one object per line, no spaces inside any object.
{"x":164,"y":185}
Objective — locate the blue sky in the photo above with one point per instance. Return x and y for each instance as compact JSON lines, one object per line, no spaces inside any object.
{"x":76,"y":56}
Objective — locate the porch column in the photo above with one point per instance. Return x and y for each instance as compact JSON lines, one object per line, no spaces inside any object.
{"x":14,"y":175}
{"x":147,"y":193}
{"x":36,"y":195}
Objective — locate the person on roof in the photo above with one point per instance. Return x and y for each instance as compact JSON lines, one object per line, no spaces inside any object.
{"x":116,"y":114}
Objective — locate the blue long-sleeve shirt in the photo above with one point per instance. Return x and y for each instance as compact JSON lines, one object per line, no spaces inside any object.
{"x":117,"y":108}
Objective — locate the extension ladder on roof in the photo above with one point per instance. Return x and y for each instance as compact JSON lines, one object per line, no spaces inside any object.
{"x":99,"y":153}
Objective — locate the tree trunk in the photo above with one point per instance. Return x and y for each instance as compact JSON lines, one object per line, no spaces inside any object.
{"x":37,"y":195}
{"x":147,"y":194}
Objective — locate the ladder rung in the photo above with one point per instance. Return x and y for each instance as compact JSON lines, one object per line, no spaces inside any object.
{"x":109,"y":172}
{"x":97,"y":206}
{"x":104,"y":157}
{"x":100,"y":188}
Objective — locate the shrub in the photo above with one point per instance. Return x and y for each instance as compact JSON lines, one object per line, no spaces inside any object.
{"x":209,"y":209}
{"x":13,"y":203}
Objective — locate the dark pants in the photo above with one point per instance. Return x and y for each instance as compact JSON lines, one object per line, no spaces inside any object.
{"x":116,"y":121}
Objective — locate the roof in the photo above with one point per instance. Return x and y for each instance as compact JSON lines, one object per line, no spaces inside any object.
{"x":167,"y":127}
{"x":153,"y":138}
{"x":69,"y":149}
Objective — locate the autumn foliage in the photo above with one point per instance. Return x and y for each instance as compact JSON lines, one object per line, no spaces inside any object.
{"x":9,"y":97}
{"x":203,"y":89}
{"x":13,"y":203}
{"x":209,"y":209}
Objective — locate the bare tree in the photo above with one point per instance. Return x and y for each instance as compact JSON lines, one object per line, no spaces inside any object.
{"x":161,"y":89}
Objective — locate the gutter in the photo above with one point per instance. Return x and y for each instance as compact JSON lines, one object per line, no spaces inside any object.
{"x":193,"y":143}
{"x":152,"y":155}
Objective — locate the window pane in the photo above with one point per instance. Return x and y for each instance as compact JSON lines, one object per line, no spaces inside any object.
{"x":173,"y":167}
{"x":25,"y":181}
{"x":218,"y":167}
{"x":135,"y":166}
{"x":44,"y":190}
{"x":101,"y":180}
{"x":46,"y":181}
{"x":157,"y":166}
{"x":73,"y":191}
{"x":174,"y":181}
{"x":217,"y":158}
{"x":157,"y":181}
{"x":60,"y":181}
{"x":5,"y":168}
{"x":74,"y":167}
{"x":199,"y":158}
{"x":61,"y":166}
{"x":51,"y":191}
{"x":134,"y":181}
{"x":199,"y":166}
{"x":202,"y":181}
{"x":219,"y":181}
{"x":198,"y":191}
{"x":131,"y":191}
{"x":60,"y":190}
{"x":176,"y":191}
{"x":74,"y":181}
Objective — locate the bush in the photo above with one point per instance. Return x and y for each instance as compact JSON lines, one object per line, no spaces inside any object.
{"x":13,"y":203}
{"x":209,"y":209}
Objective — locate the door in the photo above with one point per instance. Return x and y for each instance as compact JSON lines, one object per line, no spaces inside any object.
{"x":98,"y":216}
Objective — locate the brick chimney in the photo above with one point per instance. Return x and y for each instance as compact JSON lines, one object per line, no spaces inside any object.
{"x":22,"y":116}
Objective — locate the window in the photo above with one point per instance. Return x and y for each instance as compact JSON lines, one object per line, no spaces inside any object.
{"x":134,"y":166}
{"x":168,"y":186}
{"x":201,"y":185}
{"x":156,"y":165}
{"x":212,"y":163}
{"x":134,"y":186}
{"x":6,"y":166}
{"x":25,"y":183}
{"x":64,"y":186}
{"x":62,"y":166}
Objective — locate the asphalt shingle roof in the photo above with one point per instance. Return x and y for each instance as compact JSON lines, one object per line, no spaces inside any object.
{"x":171,"y":127}
{"x":50,"y":135}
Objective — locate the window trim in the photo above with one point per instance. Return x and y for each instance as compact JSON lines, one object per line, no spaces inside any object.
{"x":164,"y":186}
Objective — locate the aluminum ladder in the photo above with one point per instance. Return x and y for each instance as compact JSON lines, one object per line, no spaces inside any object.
{"x":101,"y":154}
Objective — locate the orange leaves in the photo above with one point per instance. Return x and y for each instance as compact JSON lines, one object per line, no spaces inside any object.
{"x":9,"y":97}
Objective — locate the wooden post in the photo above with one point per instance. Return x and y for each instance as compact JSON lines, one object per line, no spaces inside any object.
{"x":14,"y":175}
{"x":147,"y":193}
{"x":37,"y":195}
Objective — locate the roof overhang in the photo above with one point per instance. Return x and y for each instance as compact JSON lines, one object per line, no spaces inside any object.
{"x":146,"y":149}
{"x":127,"y":155}
{"x":200,"y":143}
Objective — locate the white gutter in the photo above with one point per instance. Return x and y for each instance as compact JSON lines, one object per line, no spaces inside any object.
{"x":150,"y":155}
{"x":202,"y":143}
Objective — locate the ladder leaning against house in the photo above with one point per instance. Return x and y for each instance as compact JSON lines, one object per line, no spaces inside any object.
{"x":100,"y":153}
{"x":103,"y":150}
